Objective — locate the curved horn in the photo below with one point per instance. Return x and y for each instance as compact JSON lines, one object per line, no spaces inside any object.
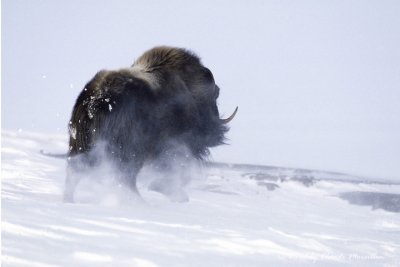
{"x":227,"y":120}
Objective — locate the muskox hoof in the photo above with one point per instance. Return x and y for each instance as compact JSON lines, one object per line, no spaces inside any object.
{"x":173,"y":194}
{"x":68,"y":198}
{"x":179,"y":196}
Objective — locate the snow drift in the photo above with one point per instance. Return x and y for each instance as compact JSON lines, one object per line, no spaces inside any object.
{"x":238,"y":215}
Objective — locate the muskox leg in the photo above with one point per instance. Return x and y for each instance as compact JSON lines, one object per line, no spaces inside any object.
{"x":128,"y":175}
{"x":71,"y":182}
{"x":173,"y":167}
{"x":76,"y":167}
{"x":129,"y":178}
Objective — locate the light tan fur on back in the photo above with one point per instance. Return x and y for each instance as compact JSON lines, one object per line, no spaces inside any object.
{"x":164,"y":57}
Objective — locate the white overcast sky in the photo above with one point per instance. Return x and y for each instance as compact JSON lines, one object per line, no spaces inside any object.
{"x":317,"y":82}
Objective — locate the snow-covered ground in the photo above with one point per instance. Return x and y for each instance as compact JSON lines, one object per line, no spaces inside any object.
{"x":236,"y":216}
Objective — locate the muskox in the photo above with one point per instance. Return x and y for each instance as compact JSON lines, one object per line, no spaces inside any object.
{"x":139,"y":114}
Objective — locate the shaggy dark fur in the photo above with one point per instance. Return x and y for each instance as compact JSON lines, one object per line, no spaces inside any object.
{"x":141,"y":113}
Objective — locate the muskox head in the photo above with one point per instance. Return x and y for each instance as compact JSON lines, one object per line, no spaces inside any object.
{"x":140,"y":113}
{"x":178,"y":74}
